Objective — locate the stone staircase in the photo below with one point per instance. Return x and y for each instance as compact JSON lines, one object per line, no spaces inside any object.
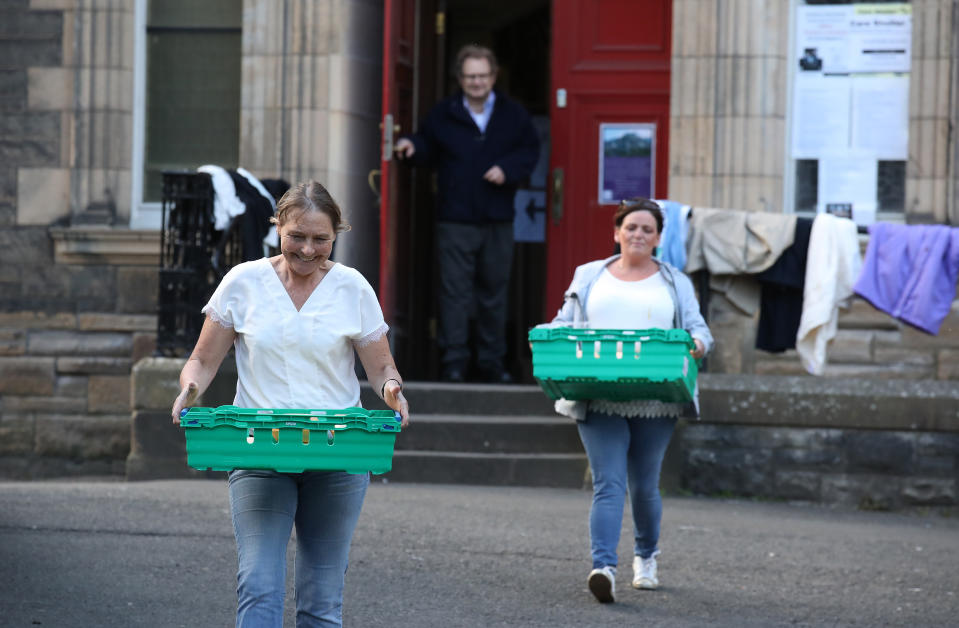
{"x":484,"y":434}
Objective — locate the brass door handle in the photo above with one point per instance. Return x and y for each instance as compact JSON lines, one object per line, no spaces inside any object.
{"x":557,"y":195}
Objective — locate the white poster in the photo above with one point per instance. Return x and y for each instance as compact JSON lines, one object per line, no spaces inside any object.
{"x":854,"y":38}
{"x":849,"y":180}
{"x":822,"y":34}
{"x":820,"y":115}
{"x":880,"y":37}
{"x":880,"y":116}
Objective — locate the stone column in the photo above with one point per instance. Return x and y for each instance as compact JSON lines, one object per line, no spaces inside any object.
{"x":930,"y":173}
{"x":728,"y":103}
{"x":311,"y":104}
{"x":91,"y":90}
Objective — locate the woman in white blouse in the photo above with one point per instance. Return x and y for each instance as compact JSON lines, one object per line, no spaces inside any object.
{"x":626,"y":441}
{"x":295,"y":320}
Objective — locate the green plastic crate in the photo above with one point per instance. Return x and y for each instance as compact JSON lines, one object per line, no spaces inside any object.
{"x":616,"y":364}
{"x":290,"y":441}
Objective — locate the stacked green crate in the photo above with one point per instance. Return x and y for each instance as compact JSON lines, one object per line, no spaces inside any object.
{"x":616,"y":364}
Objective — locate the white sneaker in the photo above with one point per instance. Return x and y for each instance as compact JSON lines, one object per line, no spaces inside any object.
{"x":644,"y":572}
{"x":602,"y":584}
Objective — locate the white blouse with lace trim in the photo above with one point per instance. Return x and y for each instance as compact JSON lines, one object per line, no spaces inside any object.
{"x":289,"y":358}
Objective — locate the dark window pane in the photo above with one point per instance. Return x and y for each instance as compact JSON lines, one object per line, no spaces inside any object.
{"x":192,"y":93}
{"x":892,"y":186}
{"x":195,"y":13}
{"x":807,"y":184}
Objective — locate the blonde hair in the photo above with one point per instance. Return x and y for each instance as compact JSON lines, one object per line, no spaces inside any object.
{"x":475,"y":51}
{"x":309,"y":196}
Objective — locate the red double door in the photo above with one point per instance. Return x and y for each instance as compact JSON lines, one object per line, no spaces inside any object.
{"x":610,"y":73}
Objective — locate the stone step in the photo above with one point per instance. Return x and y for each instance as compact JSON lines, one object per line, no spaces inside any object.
{"x":491,"y":434}
{"x":472,"y":399}
{"x":547,"y":470}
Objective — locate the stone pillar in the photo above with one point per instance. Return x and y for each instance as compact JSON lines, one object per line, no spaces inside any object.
{"x":930,"y":173}
{"x":728,"y":103}
{"x":311,"y":104}
{"x":91,"y":92}
{"x":157,"y":447}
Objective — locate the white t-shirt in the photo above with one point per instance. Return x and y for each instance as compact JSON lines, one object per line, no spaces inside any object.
{"x":617,"y":304}
{"x":296,"y":359}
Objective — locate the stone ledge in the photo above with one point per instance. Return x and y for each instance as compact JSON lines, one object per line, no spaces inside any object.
{"x":848,"y":403}
{"x":105,"y":245}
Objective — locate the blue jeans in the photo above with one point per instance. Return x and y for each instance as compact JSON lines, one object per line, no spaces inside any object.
{"x":324,"y":506}
{"x":624,"y":453}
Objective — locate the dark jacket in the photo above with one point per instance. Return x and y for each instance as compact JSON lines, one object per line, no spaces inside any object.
{"x":450,"y":140}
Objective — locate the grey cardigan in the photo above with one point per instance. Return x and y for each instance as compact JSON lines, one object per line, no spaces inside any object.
{"x":686,"y":316}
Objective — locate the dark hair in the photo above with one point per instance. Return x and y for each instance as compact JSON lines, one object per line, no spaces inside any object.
{"x":309,"y":196}
{"x":629,"y":205}
{"x":475,"y":51}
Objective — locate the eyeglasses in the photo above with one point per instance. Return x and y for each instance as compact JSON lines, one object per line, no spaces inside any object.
{"x":476,"y":77}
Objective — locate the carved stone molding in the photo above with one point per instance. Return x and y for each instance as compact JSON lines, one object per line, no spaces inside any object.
{"x":104,"y":245}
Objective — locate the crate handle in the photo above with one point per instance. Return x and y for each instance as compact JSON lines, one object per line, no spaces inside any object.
{"x":619,"y":349}
{"x":597,"y":345}
{"x":249,"y":436}
{"x":329,"y":437}
{"x":579,"y":349}
{"x":637,"y":348}
{"x":276,"y":435}
{"x":306,"y":437}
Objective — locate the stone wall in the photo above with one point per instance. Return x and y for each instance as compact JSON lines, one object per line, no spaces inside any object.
{"x":870,"y":443}
{"x":65,"y":390}
{"x":728,"y":107}
{"x":78,"y":287}
{"x":865,"y":468}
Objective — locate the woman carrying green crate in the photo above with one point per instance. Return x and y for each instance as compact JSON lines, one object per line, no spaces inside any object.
{"x":626,"y":441}
{"x":295,"y":320}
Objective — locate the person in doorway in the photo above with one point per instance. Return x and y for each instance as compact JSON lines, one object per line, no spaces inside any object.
{"x":483,"y":144}
{"x":295,"y":320}
{"x":626,"y":441}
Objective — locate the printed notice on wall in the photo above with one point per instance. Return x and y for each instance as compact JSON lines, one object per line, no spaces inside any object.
{"x":626,"y":161}
{"x":820,"y":116}
{"x":850,"y":101}
{"x":854,"y":38}
{"x":849,"y":180}
{"x":880,"y":116}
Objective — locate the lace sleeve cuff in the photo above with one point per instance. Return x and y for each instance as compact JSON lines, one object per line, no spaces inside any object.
{"x":216,"y":318}
{"x":373,"y":336}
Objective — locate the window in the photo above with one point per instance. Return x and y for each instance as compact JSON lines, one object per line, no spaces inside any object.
{"x":849,"y":109}
{"x":187,"y":110}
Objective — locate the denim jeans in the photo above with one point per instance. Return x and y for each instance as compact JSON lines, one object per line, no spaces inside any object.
{"x":624,"y":453}
{"x":324,"y":506}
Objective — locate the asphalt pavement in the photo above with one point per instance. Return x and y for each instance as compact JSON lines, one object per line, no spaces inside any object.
{"x":161,"y":554}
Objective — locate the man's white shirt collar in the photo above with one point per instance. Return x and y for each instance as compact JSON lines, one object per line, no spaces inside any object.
{"x":481,"y":119}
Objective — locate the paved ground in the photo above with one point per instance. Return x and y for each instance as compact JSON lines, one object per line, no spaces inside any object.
{"x":158,"y":554}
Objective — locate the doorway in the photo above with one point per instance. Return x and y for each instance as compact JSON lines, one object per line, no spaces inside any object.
{"x":589,"y":72}
{"x":518,"y":32}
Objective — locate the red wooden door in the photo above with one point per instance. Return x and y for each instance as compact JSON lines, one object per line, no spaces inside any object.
{"x":610,"y":66}
{"x":399,"y":20}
